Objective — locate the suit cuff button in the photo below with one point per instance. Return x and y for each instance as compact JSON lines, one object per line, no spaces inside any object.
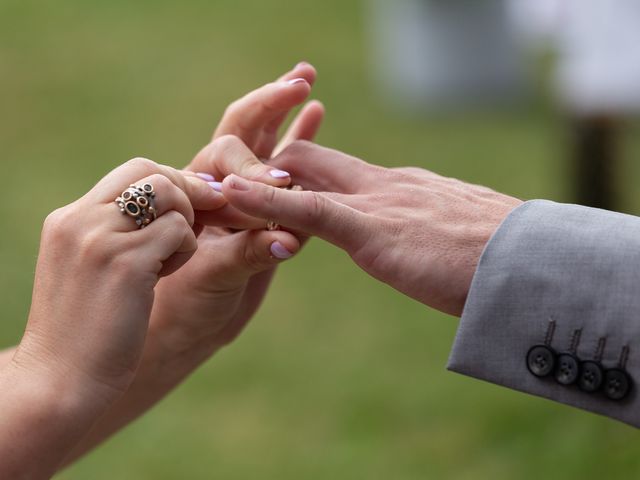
{"x":591,"y":376}
{"x":541,"y":360}
{"x":617,"y":384}
{"x":567,"y":369}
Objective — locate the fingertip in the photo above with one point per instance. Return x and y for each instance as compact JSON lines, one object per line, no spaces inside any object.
{"x":297,"y":89}
{"x":302,"y":69}
{"x":306,"y":70}
{"x":279,"y":251}
{"x":316,"y":106}
{"x":280,"y":244}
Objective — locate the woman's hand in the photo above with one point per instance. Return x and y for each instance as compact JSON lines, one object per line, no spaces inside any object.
{"x":206,"y":303}
{"x":210,"y":300}
{"x":92,"y":297}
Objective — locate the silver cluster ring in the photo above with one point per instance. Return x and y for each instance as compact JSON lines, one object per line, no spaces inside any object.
{"x":138,"y":202}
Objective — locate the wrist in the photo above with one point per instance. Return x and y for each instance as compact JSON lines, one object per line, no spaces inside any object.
{"x":80,"y":384}
{"x":43,"y":418}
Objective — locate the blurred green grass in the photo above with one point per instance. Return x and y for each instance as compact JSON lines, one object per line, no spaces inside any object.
{"x":338,"y":376}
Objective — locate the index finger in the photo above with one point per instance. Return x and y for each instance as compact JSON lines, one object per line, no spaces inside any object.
{"x":309,"y":212}
{"x":201,"y":194}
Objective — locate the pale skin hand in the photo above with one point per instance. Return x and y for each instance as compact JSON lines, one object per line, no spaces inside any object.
{"x":207,"y":303}
{"x":417,"y":231}
{"x":92,"y":299}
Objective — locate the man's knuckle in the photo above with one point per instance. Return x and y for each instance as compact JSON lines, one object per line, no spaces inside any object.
{"x":297,"y":147}
{"x":269,"y":195}
{"x":314,"y":204}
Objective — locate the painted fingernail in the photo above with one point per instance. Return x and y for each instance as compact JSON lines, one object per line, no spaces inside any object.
{"x":301,"y":64}
{"x":217,"y":186}
{"x":239,"y":183}
{"x":279,"y":174}
{"x":279,"y":251}
{"x":295,"y":81}
{"x":206,"y":177}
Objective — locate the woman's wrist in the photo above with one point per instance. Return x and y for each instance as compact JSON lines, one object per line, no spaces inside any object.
{"x":44,"y":417}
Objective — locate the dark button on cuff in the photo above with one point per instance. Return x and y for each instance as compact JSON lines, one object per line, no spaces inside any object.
{"x":567,"y":369}
{"x":541,"y":360}
{"x":591,"y":376}
{"x":617,"y":384}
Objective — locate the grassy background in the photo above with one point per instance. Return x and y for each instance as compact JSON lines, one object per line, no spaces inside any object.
{"x":335,"y":378}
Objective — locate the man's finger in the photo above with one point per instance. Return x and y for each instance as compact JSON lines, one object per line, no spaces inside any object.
{"x":229,"y":217}
{"x":309,"y":212}
{"x":324,"y":169}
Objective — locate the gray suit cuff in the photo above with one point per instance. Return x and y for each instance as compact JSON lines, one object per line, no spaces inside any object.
{"x":578,"y":266}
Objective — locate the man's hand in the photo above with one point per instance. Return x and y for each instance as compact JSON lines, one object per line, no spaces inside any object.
{"x":419,"y":232}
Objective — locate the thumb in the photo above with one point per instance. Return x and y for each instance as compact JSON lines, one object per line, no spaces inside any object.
{"x":312,"y":213}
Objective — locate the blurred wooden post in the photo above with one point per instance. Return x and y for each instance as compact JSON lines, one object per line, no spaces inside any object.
{"x":595,"y":161}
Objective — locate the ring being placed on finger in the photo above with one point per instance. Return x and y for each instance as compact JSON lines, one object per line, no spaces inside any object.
{"x":138,"y":202}
{"x":271,"y":225}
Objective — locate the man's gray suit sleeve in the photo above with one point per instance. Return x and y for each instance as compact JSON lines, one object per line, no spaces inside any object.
{"x":568,"y":273}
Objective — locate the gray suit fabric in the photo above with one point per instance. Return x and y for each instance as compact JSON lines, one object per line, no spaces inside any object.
{"x":579,"y":266}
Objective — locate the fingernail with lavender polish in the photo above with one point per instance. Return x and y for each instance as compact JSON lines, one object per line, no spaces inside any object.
{"x":301,"y":64}
{"x":279,"y":174}
{"x":217,"y":186}
{"x":295,"y":81}
{"x":206,"y":177}
{"x":279,"y":251}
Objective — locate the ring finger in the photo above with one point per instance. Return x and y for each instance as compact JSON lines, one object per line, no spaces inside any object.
{"x":158,"y":196}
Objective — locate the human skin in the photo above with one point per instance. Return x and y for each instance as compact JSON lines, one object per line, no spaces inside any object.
{"x":417,"y":231}
{"x":92,"y":297}
{"x":206,"y":303}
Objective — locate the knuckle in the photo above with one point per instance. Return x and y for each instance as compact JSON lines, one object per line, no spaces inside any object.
{"x":94,"y":248}
{"x":219,"y":149}
{"x":226,"y":142}
{"x":297,"y":147}
{"x":160,"y":183}
{"x":233,"y":109}
{"x":58,"y":226}
{"x":314,"y":204}
{"x":253,"y":259}
{"x":141,"y":163}
{"x":253,"y":169}
{"x":177,"y":221}
{"x":269,"y":195}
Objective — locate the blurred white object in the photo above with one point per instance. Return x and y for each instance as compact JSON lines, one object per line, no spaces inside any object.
{"x":445,"y":53}
{"x":599,"y":64}
{"x":598,"y":45}
{"x":535,"y":21}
